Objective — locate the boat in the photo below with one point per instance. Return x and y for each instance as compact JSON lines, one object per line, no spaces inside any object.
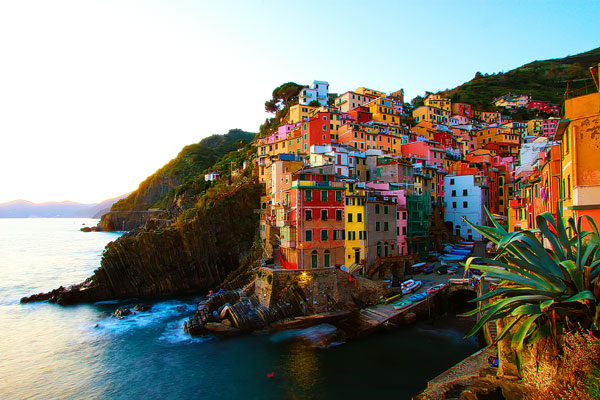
{"x":437,"y":288}
{"x":428,"y":270}
{"x":410,"y":286}
{"x":452,"y":270}
{"x":418,"y":297}
{"x":420,"y":267}
{"x":442,"y":270}
{"x":393,"y":298}
{"x":402,"y":305}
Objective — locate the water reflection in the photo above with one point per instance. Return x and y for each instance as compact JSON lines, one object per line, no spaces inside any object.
{"x":302,"y":369}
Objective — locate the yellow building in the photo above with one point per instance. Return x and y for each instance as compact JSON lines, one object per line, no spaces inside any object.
{"x":356,"y":228}
{"x":370,"y":92}
{"x":437,"y":101}
{"x":299,"y":113}
{"x":351,"y":100}
{"x":383,"y":110}
{"x":425,"y":129}
{"x":431,"y":114}
{"x":535,"y":127}
{"x":579,"y":133}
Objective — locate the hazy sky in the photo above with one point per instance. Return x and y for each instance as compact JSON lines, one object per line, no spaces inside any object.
{"x":97,"y":95}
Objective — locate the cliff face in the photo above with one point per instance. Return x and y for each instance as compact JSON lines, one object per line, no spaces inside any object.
{"x":187,"y":258}
{"x":127,"y":220}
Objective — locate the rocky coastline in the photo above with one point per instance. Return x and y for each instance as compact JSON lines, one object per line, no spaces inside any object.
{"x":185,"y":258}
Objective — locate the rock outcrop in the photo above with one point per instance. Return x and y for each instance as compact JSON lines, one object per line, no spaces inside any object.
{"x":184,"y":259}
{"x":128,"y":220}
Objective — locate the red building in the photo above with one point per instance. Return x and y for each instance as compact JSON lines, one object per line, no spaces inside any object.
{"x":313,"y":235}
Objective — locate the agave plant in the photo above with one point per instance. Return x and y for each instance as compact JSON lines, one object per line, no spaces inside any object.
{"x":543,"y":290}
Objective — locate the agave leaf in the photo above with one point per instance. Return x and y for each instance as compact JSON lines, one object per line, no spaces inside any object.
{"x":539,"y":272}
{"x":542,"y":221}
{"x":511,"y":290}
{"x":519,"y":336}
{"x":526,"y":309}
{"x":524,"y":277}
{"x":541,"y":332}
{"x":546,"y":305}
{"x":507,"y":328}
{"x":574,"y":273}
{"x":534,"y":283}
{"x":498,"y":306}
{"x":591,"y":247}
{"x":584,"y":295}
{"x":562,"y":234}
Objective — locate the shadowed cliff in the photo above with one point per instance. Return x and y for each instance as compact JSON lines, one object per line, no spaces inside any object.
{"x":185,"y":258}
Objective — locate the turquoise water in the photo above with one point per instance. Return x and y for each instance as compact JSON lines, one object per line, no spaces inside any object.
{"x":53,"y":352}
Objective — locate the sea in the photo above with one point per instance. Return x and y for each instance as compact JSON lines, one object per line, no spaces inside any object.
{"x":49,"y":351}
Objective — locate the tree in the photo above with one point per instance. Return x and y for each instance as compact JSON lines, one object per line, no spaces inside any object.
{"x":282,"y":96}
{"x":314,"y":103}
{"x":543,"y":293}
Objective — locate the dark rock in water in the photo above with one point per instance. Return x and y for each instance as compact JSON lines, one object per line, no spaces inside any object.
{"x":185,"y":259}
{"x":181,"y":309}
{"x":409,"y":318}
{"x":142,"y":307}
{"x":90,"y":229}
{"x":121,"y":312}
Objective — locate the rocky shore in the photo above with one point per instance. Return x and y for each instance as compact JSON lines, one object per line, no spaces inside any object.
{"x":187,"y":258}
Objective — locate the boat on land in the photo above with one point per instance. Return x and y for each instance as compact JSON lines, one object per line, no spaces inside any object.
{"x":402,"y":305}
{"x":437,"y":288}
{"x":418,"y":297}
{"x":452,"y":270}
{"x":410,"y":286}
{"x":420,"y":267}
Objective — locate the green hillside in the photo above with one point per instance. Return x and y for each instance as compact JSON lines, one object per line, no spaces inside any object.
{"x":189,"y":166}
{"x":543,"y":80}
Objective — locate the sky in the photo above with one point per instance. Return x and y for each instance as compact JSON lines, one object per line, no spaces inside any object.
{"x":97,"y":95}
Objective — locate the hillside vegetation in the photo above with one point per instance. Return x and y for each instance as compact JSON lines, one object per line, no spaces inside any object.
{"x":187,"y":168}
{"x":543,"y":80}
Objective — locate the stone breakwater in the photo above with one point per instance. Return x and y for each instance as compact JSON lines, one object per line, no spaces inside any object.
{"x":183,"y":259}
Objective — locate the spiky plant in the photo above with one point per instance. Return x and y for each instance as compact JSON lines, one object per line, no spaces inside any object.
{"x":544,"y":291}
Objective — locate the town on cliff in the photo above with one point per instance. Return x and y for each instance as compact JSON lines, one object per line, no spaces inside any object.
{"x":359,"y":210}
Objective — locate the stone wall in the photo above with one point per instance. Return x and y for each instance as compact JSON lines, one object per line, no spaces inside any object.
{"x":326,"y":289}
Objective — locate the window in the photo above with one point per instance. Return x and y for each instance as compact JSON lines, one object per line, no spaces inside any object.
{"x":453,"y":204}
{"x":376,"y":208}
{"x":338,"y":195}
{"x":403,"y":214}
{"x":465,"y":192}
{"x":386,"y":227}
{"x":308,"y":235}
{"x":308,"y":194}
{"x":338,"y":215}
{"x":454,"y":193}
{"x":385,"y":209}
{"x":377,"y":226}
{"x":308,"y":215}
{"x":323,"y":195}
{"x":349,"y":217}
{"x":465,"y":204}
{"x":358,"y":217}
{"x":404,"y":230}
{"x":324,"y":235}
{"x":324,"y":215}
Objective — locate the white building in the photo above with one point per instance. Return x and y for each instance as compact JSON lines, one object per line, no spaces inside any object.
{"x":211,"y":176}
{"x":343,"y":158}
{"x":318,"y":90}
{"x":465,"y":197}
